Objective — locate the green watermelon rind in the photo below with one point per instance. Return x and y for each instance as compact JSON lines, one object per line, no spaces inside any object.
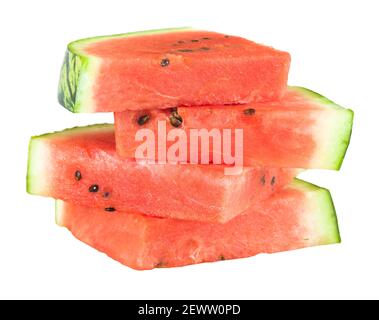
{"x":331,"y":220}
{"x":339,"y":126}
{"x":39,"y":154}
{"x":326,"y":224}
{"x":75,"y":130}
{"x":79,"y":70}
{"x":72,"y":67}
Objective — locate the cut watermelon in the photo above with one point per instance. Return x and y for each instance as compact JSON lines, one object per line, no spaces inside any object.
{"x":302,"y":130}
{"x":302,"y":215}
{"x":80,"y":165}
{"x":168,"y":68}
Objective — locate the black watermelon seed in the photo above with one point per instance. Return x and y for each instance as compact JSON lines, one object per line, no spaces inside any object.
{"x":175,"y":119}
{"x":78,"y":175}
{"x":160,"y":264}
{"x":263,"y":180}
{"x":273,"y":180}
{"x":249,"y":112}
{"x":205,"y":38}
{"x":181,"y":42}
{"x":226,"y":36}
{"x":165,"y":62}
{"x":106,"y":194}
{"x":110,"y":209}
{"x":185,"y":50}
{"x":143,"y":119}
{"x":93,"y":188}
{"x":194,"y":40}
{"x":205,"y":48}
{"x":222,"y":258}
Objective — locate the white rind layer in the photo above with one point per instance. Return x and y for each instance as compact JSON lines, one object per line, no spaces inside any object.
{"x":39,"y":159}
{"x":319,"y":219}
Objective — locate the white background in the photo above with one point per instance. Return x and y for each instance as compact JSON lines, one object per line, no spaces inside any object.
{"x":335,"y":51}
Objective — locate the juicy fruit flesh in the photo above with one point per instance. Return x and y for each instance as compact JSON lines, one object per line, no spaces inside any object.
{"x":281,"y":223}
{"x":81,"y":166}
{"x":301,"y":130}
{"x":164,"y":70}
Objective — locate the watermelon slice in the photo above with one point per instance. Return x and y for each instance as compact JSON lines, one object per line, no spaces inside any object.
{"x":168,"y":68}
{"x":302,"y":215}
{"x":302,"y":130}
{"x":80,"y":165}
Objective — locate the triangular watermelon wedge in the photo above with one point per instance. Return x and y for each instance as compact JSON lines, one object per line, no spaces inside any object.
{"x":81,"y":165}
{"x":302,"y":215}
{"x":301,"y":130}
{"x":168,"y":68}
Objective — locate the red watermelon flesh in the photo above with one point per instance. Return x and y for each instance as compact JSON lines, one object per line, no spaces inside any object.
{"x":80,"y":165}
{"x":299,"y":216}
{"x":168,"y":68}
{"x":301,"y":130}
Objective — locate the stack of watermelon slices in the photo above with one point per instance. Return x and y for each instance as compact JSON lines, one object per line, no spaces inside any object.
{"x":149,"y":212}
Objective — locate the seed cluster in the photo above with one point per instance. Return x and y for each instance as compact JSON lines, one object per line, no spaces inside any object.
{"x":166,"y":62}
{"x":263,"y":180}
{"x":94,"y":188}
{"x":186,"y":50}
